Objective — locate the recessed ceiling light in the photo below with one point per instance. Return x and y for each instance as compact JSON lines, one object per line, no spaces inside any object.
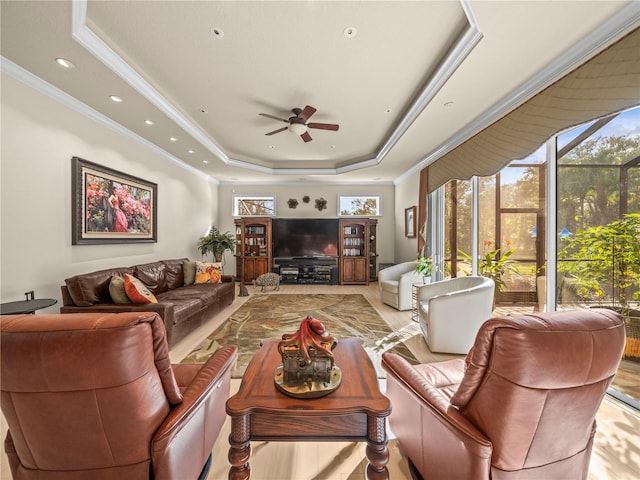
{"x":448,"y":104}
{"x":216,"y":32}
{"x":333,"y":146}
{"x":205,"y":161}
{"x":173,"y":139}
{"x":115,"y":98}
{"x":350,"y":32}
{"x":388,"y":110}
{"x":202,"y":110}
{"x":149,"y":122}
{"x":191,"y":151}
{"x":64,"y":63}
{"x":272,"y":146}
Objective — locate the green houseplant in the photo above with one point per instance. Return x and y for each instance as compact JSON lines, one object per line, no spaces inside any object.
{"x":604,"y":261}
{"x":216,"y":243}
{"x":425,"y":267}
{"x":494,"y":265}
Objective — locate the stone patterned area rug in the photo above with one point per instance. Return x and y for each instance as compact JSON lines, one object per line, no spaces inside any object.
{"x":265,"y":316}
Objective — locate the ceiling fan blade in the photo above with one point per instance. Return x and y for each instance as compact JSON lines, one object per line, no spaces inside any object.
{"x":275,"y":118}
{"x":306,"y":137}
{"x":277,"y":131}
{"x":307,"y":112}
{"x":324,"y":126}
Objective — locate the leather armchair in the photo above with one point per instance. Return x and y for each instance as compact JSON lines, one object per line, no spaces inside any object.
{"x":396,"y":284}
{"x":521,"y":406}
{"x":95,"y":396}
{"x":451,"y":311}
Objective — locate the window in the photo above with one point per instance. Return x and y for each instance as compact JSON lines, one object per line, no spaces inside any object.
{"x":254,"y":205}
{"x":359,"y":205}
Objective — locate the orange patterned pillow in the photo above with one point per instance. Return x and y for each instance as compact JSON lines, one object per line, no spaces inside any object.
{"x":137,"y":291}
{"x":208,"y":272}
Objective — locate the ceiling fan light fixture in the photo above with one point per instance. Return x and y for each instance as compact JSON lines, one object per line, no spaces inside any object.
{"x":298,"y":128}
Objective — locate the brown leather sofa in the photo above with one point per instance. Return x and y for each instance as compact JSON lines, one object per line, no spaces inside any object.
{"x":182,"y":307}
{"x":94,"y":396}
{"x":521,"y":406}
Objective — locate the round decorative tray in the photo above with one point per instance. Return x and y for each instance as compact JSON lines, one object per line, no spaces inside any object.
{"x":312,"y":389}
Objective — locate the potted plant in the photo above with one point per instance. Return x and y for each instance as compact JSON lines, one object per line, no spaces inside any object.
{"x":494,"y":265}
{"x":216,"y":243}
{"x":425,"y":268}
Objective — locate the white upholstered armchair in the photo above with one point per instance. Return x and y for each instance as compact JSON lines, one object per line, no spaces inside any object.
{"x":451,"y":312}
{"x":395,"y":284}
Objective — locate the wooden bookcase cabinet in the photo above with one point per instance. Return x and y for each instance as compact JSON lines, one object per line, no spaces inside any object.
{"x":358,"y":255}
{"x":253,"y":248}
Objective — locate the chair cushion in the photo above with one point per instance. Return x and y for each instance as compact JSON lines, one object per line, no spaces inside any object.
{"x":153,"y":275}
{"x":117,"y":291}
{"x":207,"y":272}
{"x":174,"y":273}
{"x":189,"y":272}
{"x":390,"y":286}
{"x":137,"y":291}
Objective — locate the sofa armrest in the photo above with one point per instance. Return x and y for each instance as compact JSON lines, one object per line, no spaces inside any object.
{"x":194,"y":425}
{"x":162,"y":309}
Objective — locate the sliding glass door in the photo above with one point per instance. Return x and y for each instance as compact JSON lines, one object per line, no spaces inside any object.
{"x":598,"y":220}
{"x":595,"y":248}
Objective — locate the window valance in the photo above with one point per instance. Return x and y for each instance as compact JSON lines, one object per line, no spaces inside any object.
{"x":607,"y":83}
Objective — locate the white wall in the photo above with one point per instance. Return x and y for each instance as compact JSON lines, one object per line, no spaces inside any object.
{"x":407,"y":191}
{"x":386,"y":222}
{"x":39,"y":136}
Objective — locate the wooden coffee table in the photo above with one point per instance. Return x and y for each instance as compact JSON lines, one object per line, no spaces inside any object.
{"x":355,"y":412}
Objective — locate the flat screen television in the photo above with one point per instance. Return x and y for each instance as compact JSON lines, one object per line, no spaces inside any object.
{"x":305,"y":237}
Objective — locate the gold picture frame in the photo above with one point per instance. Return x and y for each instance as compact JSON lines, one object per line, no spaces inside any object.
{"x":110,"y":206}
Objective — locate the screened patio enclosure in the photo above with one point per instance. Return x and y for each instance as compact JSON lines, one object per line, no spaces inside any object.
{"x":558,"y":229}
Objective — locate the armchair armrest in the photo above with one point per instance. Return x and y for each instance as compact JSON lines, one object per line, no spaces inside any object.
{"x":443,"y":441}
{"x":407,"y":280}
{"x":195,"y":423}
{"x":395,"y":271}
{"x":430,"y":386}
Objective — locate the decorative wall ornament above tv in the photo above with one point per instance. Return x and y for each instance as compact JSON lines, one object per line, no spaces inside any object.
{"x":293,"y":203}
{"x":321,"y":204}
{"x":111,"y":206}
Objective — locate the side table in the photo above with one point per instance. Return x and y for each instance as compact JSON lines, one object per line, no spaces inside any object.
{"x":415,"y":313}
{"x":26,"y":306}
{"x":355,"y":411}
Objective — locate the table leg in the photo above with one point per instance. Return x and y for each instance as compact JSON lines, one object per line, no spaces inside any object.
{"x":240,"y":448}
{"x":377,"y":450}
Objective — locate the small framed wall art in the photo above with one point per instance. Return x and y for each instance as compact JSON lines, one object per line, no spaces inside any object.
{"x":410,"y":222}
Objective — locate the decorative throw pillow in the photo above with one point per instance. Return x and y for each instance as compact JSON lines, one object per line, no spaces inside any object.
{"x":136,"y":290}
{"x":116,"y":290}
{"x":208,"y":272}
{"x":189,"y":272}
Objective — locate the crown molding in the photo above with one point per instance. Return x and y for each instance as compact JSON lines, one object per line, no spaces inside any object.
{"x":36,"y":83}
{"x":99,"y":49}
{"x":605,"y":34}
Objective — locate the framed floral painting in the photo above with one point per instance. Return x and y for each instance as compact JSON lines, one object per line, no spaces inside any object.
{"x":110,"y":206}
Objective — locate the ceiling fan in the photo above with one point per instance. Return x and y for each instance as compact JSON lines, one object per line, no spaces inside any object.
{"x":298,"y":123}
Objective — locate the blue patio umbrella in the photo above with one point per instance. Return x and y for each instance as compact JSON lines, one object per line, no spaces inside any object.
{"x":564,"y":233}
